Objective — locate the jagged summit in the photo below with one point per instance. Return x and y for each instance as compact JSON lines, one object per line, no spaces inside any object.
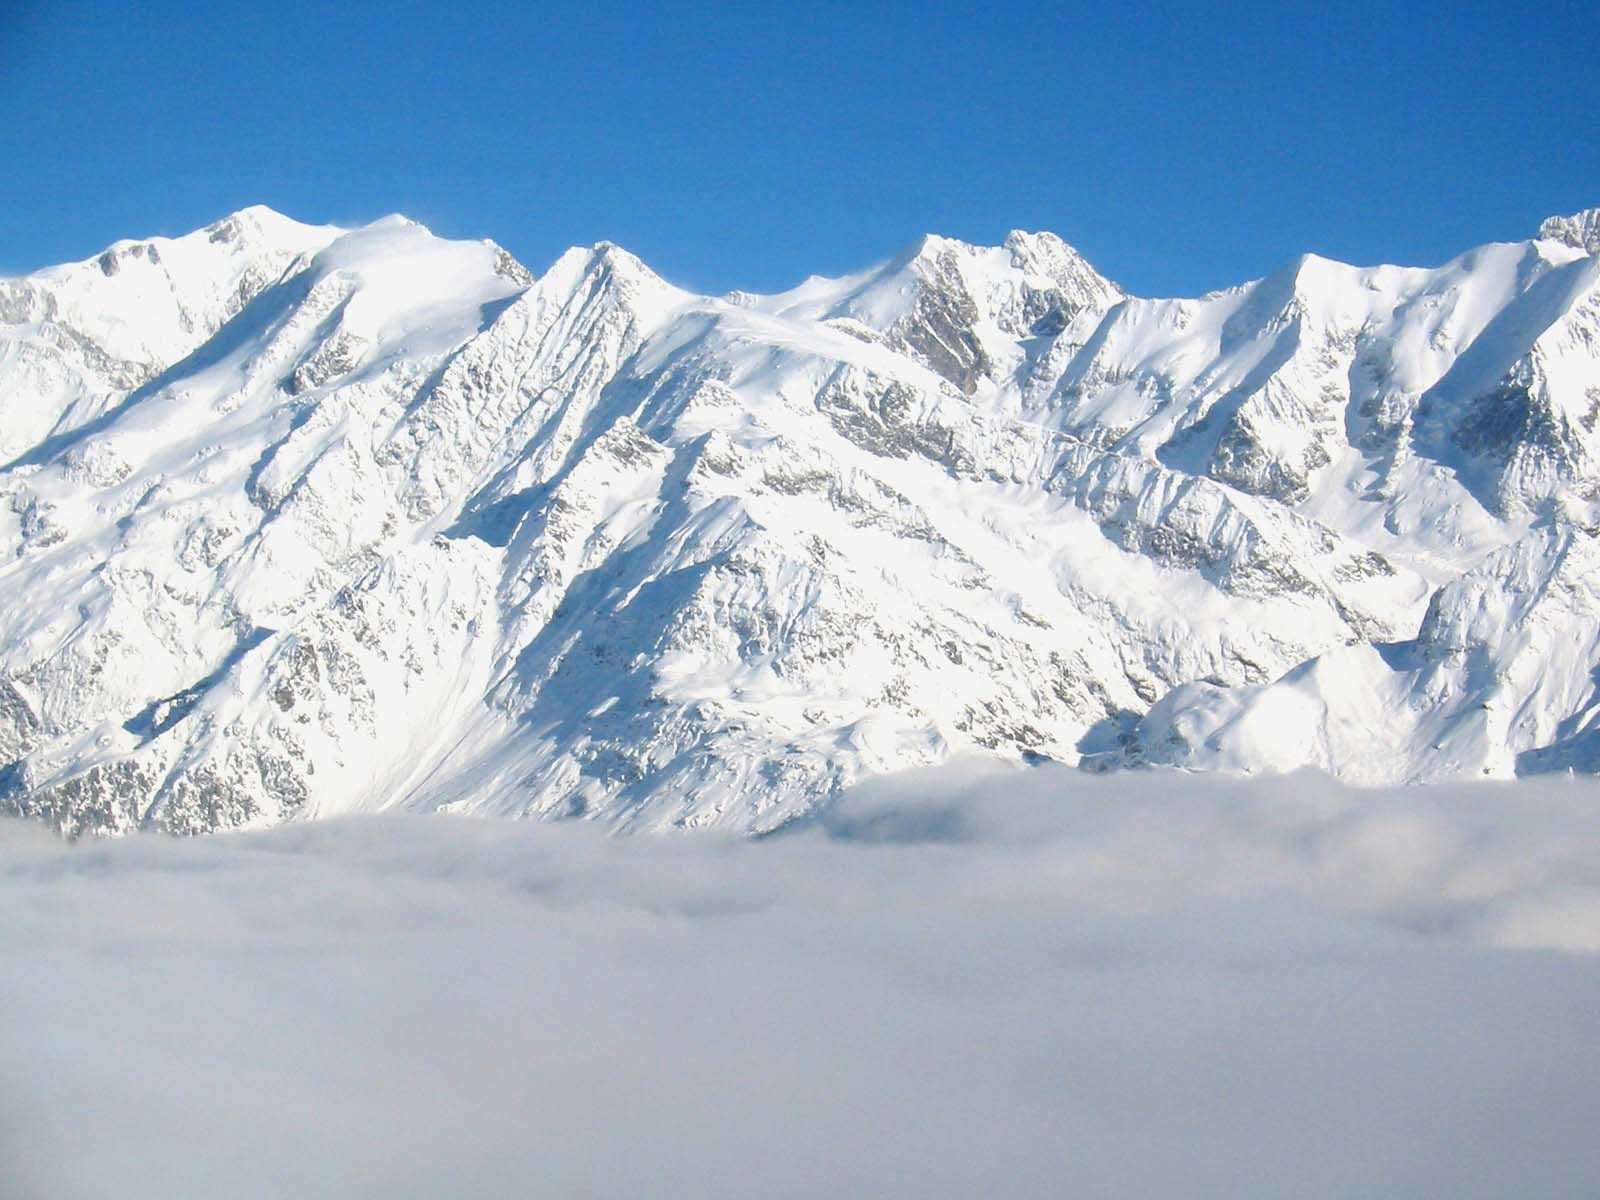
{"x":960,"y":309}
{"x":1581,"y":230}
{"x":299,"y":520}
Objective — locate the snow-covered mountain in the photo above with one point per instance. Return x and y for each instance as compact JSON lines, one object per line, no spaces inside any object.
{"x":297,"y":521}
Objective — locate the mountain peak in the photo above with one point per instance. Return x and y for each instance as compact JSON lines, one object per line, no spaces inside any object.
{"x":619,"y":257}
{"x":606,"y":266}
{"x":1040,"y":244}
{"x":1046,"y":254}
{"x":259,"y":222}
{"x":258,"y":212}
{"x":282,"y":496}
{"x":1581,"y":230}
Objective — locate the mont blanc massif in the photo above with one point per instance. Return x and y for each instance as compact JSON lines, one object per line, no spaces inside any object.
{"x":298,"y":521}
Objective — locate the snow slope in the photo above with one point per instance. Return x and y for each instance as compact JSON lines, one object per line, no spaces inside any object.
{"x":297,"y":521}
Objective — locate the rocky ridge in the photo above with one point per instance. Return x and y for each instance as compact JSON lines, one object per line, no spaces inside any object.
{"x":297,"y":521}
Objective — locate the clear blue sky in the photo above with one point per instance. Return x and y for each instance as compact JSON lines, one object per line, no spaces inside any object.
{"x":1181,"y":146}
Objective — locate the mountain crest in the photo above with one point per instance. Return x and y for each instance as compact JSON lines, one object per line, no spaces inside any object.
{"x":1581,"y":230}
{"x":282,"y":499}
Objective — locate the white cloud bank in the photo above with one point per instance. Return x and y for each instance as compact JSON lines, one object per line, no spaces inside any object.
{"x":961,"y":984}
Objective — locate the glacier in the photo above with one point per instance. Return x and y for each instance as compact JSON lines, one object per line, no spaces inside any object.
{"x":299,"y":521}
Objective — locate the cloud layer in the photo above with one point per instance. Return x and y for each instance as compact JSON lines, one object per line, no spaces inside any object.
{"x":974,"y":982}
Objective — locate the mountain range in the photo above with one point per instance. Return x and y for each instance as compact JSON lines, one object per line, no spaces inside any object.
{"x":298,"y":521}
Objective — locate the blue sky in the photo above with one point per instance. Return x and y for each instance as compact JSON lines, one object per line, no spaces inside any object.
{"x":1181,"y":146}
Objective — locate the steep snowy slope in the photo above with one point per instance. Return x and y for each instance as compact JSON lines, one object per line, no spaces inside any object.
{"x":1500,"y":680}
{"x":300,"y":521}
{"x":78,"y":337}
{"x":1427,"y":412}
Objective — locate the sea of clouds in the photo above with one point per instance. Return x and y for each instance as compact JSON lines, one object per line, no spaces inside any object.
{"x":973,"y":982}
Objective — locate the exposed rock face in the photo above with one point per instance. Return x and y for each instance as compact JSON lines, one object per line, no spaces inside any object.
{"x":1581,"y":231}
{"x":299,"y":521}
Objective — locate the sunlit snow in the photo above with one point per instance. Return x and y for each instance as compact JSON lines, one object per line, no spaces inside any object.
{"x":298,"y":521}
